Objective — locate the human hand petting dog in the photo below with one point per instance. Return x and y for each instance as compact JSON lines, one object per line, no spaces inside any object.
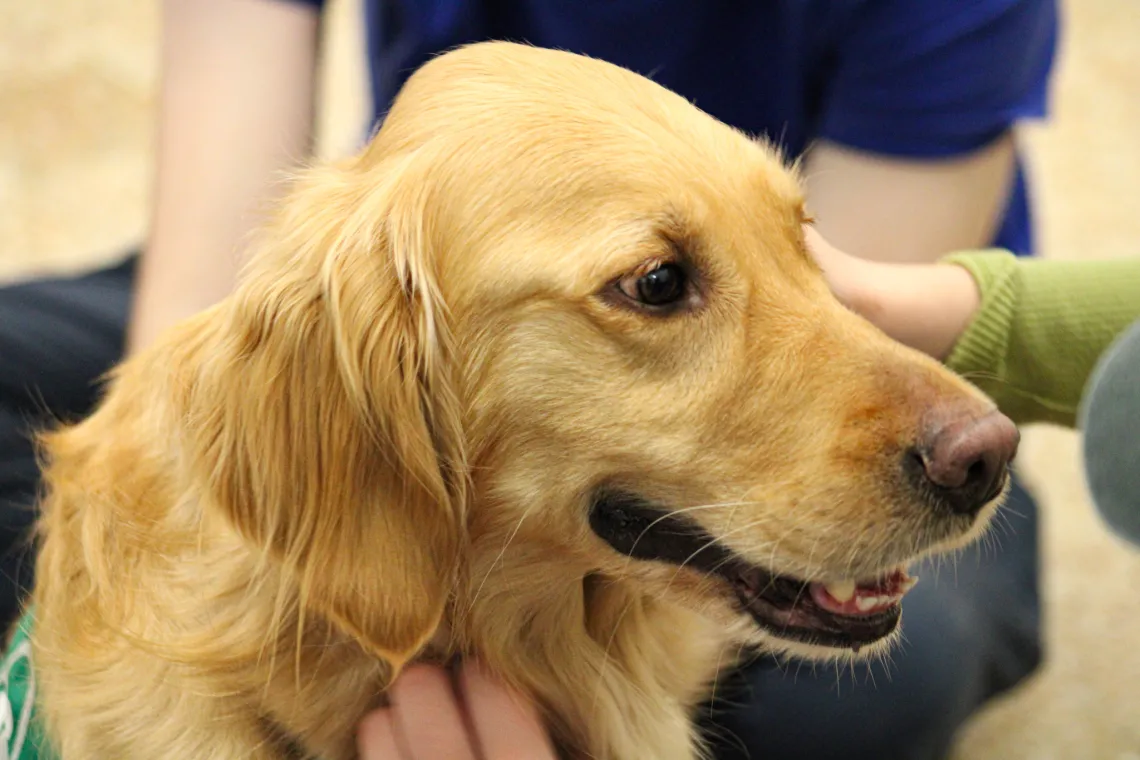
{"x":924,"y":306}
{"x":428,"y":720}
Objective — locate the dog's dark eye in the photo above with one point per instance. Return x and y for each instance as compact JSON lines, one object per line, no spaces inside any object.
{"x":662,"y":286}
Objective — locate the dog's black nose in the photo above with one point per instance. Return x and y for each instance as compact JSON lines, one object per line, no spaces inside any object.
{"x":963,"y":461}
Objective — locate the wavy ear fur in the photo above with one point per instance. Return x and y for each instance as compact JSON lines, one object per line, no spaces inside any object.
{"x":322,"y":420}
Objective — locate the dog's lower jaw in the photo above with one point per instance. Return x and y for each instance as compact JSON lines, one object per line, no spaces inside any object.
{"x":815,"y":653}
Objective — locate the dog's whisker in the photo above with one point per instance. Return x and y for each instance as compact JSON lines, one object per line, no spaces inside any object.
{"x":707,"y":544}
{"x":629,"y":559}
{"x":499,"y":557}
{"x":856,"y":548}
{"x":871,"y":675}
{"x":604,"y":664}
{"x":673,"y":512}
{"x":716,"y":671}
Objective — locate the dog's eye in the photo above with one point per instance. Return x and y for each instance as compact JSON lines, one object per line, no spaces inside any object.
{"x":661,"y":286}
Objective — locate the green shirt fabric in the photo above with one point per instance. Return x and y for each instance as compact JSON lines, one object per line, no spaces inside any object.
{"x":1040,"y":329}
{"x":20,"y":732}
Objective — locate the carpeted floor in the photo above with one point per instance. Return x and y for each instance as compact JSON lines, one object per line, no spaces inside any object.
{"x":77,"y":80}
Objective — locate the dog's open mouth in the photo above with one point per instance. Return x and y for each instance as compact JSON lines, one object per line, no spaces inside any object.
{"x":844,"y":615}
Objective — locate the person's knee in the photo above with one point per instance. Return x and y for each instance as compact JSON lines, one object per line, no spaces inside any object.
{"x":899,"y":709}
{"x":19,"y":479}
{"x":1005,"y":580}
{"x":59,"y":335}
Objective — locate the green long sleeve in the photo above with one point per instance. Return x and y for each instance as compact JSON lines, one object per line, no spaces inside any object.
{"x":1040,"y":328}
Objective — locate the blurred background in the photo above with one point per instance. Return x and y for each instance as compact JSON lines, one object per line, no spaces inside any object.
{"x":77,"y":94}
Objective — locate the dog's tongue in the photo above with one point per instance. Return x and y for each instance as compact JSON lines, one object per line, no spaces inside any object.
{"x":864,"y":597}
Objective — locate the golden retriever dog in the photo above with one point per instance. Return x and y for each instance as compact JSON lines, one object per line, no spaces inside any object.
{"x":545,"y":375}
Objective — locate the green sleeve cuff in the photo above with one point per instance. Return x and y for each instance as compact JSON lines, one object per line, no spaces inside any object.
{"x":981,"y":349}
{"x":1040,"y":328}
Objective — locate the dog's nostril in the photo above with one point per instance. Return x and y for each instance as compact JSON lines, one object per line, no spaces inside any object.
{"x":976,"y":471}
{"x":977,"y":485}
{"x":964,"y":462}
{"x":914,"y":466}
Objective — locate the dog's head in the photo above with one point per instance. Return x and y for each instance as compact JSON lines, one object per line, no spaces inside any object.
{"x":556,"y":313}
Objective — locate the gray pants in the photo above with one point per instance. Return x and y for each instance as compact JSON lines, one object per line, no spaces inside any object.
{"x":971,"y":634}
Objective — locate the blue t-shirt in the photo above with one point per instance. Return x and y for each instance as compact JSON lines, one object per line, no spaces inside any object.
{"x":906,"y":78}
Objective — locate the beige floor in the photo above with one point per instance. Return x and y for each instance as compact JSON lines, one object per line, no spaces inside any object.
{"x":77,"y":82}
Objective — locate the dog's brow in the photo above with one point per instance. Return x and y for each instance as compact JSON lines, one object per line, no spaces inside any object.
{"x":678,"y":233}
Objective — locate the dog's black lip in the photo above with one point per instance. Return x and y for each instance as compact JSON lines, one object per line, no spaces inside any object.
{"x":772,"y":599}
{"x":637,"y":528}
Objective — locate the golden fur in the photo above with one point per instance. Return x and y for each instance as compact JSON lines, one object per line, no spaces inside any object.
{"x":382,"y":446}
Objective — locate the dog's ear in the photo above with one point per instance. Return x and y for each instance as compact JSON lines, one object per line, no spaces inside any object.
{"x":321,"y":418}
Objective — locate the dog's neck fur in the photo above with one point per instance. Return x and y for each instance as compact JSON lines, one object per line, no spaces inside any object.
{"x":583,"y":644}
{"x":585,"y":647}
{"x":590,"y":645}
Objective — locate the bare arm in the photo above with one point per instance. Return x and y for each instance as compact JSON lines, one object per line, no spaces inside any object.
{"x":900,"y":210}
{"x":1029,"y":332}
{"x":236,"y":110}
{"x":925,"y":306}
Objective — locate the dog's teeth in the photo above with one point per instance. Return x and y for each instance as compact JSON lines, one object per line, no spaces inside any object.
{"x":865,"y":603}
{"x":842,"y":591}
